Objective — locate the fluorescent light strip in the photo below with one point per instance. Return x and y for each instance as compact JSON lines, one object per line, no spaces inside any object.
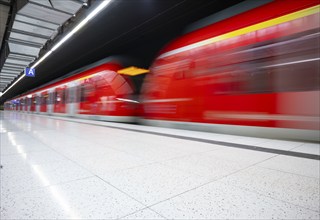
{"x":77,"y":28}
{"x":41,"y":59}
{"x":82,"y":23}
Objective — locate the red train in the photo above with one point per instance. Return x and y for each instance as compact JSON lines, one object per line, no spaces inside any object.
{"x":255,"y":73}
{"x":96,"y":93}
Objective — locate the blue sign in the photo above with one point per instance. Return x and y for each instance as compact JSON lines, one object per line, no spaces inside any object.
{"x":30,"y":72}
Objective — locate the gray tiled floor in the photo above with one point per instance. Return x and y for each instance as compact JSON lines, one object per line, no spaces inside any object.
{"x":57,"y":169}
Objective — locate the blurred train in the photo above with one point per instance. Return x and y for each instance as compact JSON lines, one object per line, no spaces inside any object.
{"x":256,"y":73}
{"x":94,"y":92}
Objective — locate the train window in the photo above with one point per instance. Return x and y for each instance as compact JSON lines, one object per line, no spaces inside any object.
{"x":28,"y":101}
{"x":59,"y":97}
{"x":42,"y":100}
{"x":116,"y":83}
{"x":251,"y":61}
{"x":100,"y":81}
{"x":82,"y":93}
{"x":297,"y":76}
{"x":295,"y":63}
{"x":55,"y":97}
{"x":258,"y":81}
{"x":86,"y":90}
{"x":47,"y":99}
{"x":35,"y":100}
{"x":63,"y":96}
{"x":288,"y":64}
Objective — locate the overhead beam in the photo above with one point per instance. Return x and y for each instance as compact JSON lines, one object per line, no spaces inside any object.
{"x":8,"y":74}
{"x":5,"y":3}
{"x":39,"y":19}
{"x":51,"y":8}
{"x":11,"y":69}
{"x":5,"y":82}
{"x":7,"y":77}
{"x":36,"y":25}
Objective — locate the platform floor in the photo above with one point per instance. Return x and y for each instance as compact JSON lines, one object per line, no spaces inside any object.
{"x":55,"y":168}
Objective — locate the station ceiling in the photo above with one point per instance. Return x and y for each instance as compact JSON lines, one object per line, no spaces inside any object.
{"x":136,"y":29}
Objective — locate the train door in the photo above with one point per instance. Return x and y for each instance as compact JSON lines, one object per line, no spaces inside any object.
{"x":87,"y":96}
{"x":17,"y":104}
{"x":20,"y":105}
{"x":33,"y":103}
{"x":51,"y":99}
{"x":71,"y":99}
{"x":38,"y":102}
{"x":59,"y":105}
{"x":26,"y":105}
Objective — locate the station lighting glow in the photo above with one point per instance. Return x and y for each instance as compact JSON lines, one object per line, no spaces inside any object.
{"x":127,"y":100}
{"x":68,"y":36}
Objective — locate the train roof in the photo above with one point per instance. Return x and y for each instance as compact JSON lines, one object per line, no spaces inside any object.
{"x":253,"y":16}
